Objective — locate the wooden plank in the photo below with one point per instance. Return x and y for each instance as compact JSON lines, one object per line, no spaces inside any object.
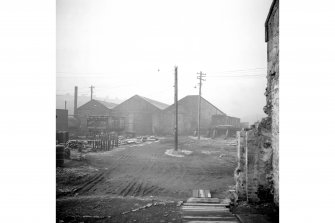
{"x":204,"y":210}
{"x":207,"y":193}
{"x":205,"y":204}
{"x":201,"y":192}
{"x":195,"y":193}
{"x":208,"y":214}
{"x":199,"y":221}
{"x":205,"y":217}
{"x":203,"y":207}
{"x":203,"y":200}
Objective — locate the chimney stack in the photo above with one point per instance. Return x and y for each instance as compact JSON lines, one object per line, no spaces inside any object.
{"x":75,"y":100}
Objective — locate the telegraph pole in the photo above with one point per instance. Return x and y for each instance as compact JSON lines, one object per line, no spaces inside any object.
{"x":176,"y":106}
{"x":91,"y":92}
{"x":65,"y":105}
{"x":200,"y":77}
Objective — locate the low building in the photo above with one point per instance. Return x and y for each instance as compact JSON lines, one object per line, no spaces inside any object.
{"x":138,"y":112}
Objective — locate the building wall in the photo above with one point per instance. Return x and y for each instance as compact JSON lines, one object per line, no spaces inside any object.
{"x":272,"y":108}
{"x":225,"y":120}
{"x":138,"y":115}
{"x":61,"y":120}
{"x":91,"y":108}
{"x":262,"y":141}
{"x":164,"y":121}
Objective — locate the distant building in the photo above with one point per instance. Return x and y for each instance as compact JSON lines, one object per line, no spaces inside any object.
{"x":138,"y":112}
{"x":244,"y":124}
{"x":93,"y":108}
{"x":225,"y":120}
{"x":187,"y":116}
{"x":61,"y":120}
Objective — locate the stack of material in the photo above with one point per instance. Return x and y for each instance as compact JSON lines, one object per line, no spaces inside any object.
{"x":203,"y":208}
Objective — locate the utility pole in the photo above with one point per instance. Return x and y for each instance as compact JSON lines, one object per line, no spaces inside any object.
{"x":200,"y":77}
{"x":176,"y":106}
{"x":75,"y":101}
{"x":65,"y":105}
{"x":91,"y":92}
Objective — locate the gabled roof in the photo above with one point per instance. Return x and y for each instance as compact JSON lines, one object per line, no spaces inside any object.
{"x":154,"y":103}
{"x":194,"y":97}
{"x":106,"y":104}
{"x":109,"y":105}
{"x":157,"y":104}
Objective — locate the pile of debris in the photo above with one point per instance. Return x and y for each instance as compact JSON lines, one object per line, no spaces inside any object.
{"x":75,"y":144}
{"x":137,"y":140}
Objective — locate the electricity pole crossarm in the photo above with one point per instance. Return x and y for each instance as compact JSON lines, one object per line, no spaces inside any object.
{"x":200,"y":77}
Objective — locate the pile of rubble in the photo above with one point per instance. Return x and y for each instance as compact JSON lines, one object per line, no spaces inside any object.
{"x":137,"y":140}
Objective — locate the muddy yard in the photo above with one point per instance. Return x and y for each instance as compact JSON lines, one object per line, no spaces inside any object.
{"x":140,"y":183}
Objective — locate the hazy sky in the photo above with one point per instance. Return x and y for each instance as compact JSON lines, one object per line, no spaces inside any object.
{"x":118,"y":47}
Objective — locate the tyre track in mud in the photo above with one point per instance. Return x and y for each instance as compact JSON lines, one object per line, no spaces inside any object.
{"x":147,"y":171}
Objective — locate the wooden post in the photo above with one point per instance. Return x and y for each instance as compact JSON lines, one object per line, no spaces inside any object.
{"x":109,"y":142}
{"x":117,"y":139}
{"x":176,"y":107}
{"x":246,"y":165}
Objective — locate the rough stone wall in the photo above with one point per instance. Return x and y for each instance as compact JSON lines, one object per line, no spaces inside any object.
{"x":272,"y":92}
{"x":254,"y":172}
{"x":262,"y":140}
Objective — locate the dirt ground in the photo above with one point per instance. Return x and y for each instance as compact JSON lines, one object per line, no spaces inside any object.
{"x":101,"y":186}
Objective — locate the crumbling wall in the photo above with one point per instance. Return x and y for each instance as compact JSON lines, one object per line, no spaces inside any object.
{"x":254,"y":172}
{"x":258,"y":180}
{"x":272,"y":91}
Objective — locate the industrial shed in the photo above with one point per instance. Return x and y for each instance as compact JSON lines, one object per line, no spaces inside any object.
{"x":93,"y":108}
{"x":138,"y":112}
{"x":163,"y":122}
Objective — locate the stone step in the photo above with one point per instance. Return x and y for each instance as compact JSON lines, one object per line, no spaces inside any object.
{"x":203,"y":208}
